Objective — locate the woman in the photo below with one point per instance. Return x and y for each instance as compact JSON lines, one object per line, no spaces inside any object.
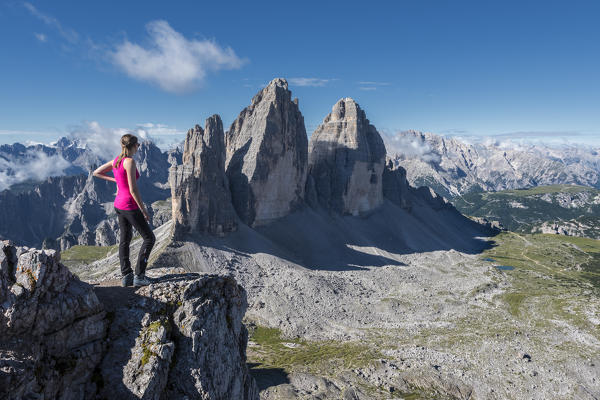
{"x":130,"y":210}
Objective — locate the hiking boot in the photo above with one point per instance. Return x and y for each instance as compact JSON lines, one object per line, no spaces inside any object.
{"x":141,"y":280}
{"x":127,"y":280}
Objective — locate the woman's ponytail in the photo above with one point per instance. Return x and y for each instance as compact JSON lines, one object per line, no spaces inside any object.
{"x":127,"y":142}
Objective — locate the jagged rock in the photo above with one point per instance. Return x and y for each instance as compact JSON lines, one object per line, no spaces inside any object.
{"x":199,"y":188}
{"x":431,"y":199}
{"x":161,"y":212}
{"x":495,"y":226}
{"x":395,"y":186}
{"x":180,"y":339}
{"x":346,"y":160}
{"x":107,"y":232}
{"x":397,"y":189}
{"x":267,"y":156}
{"x":51,"y":327}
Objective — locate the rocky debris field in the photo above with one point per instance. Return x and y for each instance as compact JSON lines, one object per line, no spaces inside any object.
{"x":516,"y":320}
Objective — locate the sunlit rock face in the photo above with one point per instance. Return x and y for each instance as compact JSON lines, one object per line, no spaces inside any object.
{"x":346,"y":160}
{"x":267,"y":156}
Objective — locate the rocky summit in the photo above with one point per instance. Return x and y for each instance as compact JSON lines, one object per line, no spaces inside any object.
{"x":60,"y":338}
{"x":199,"y":187}
{"x":346,"y":159}
{"x":267,"y":156}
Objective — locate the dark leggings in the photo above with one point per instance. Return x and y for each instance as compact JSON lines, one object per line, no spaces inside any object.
{"x":127,"y":220}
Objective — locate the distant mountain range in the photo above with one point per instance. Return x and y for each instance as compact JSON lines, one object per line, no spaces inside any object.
{"x":453,"y":167}
{"x":51,"y":199}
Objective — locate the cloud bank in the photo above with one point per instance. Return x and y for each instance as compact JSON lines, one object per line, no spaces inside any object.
{"x":34,"y":165}
{"x":171,"y":61}
{"x":409,"y":147}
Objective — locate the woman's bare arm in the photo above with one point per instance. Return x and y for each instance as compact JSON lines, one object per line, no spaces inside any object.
{"x":130,"y":168}
{"x":101,"y":171}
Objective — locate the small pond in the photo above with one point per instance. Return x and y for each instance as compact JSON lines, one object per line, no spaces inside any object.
{"x":504,"y":267}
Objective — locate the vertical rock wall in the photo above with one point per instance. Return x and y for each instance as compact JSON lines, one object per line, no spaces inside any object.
{"x":200,"y":193}
{"x":346,"y":160}
{"x":267,"y":156}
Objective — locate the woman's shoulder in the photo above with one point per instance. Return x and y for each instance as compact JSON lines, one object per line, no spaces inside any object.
{"x":128,"y":162}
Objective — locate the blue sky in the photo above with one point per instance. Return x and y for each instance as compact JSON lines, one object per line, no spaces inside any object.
{"x":517,"y":69}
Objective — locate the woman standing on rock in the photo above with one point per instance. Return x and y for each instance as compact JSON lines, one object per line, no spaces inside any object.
{"x":130,"y":210}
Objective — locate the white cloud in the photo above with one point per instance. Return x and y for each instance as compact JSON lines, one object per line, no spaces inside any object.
{"x":104,"y":142}
{"x":41,"y":37}
{"x":69,"y":34}
{"x":309,"y":81}
{"x":171,"y":61}
{"x":373,"y":83}
{"x":164,"y":136}
{"x":409,"y":147}
{"x":34,"y":165}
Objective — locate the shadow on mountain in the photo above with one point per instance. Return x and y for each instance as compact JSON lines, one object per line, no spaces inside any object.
{"x":267,"y":377}
{"x":122,"y":334}
{"x":319,"y":241}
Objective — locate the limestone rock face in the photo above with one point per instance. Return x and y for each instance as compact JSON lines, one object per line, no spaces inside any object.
{"x":397,"y":189}
{"x":52,"y":327}
{"x":395,"y":186}
{"x":346,"y":160}
{"x":200,"y":192}
{"x":180,"y":340}
{"x":60,"y":338}
{"x":267,"y":156}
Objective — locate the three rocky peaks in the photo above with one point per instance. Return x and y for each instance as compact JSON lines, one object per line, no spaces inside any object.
{"x":264,"y":168}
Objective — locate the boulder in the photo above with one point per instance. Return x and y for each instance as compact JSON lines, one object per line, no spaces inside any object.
{"x":60,"y":338}
{"x":346,"y":160}
{"x":267,"y":156}
{"x":200,"y":192}
{"x":52,"y":327}
{"x":182,"y":339}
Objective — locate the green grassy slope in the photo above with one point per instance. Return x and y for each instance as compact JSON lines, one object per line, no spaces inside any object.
{"x":525,"y":210}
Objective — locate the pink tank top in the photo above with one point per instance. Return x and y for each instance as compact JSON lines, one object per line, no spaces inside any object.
{"x":124,"y":199}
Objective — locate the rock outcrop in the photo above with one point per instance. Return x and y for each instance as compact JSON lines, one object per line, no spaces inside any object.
{"x":346,"y":160}
{"x":395,"y":186}
{"x":201,"y":199}
{"x":179,"y":340}
{"x":267,"y":156}
{"x":62,"y":339}
{"x":52,"y":328}
{"x":398,"y":190}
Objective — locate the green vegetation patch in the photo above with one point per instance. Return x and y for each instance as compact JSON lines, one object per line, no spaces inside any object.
{"x":553,"y":275}
{"x":85,"y":254}
{"x":526,"y":210}
{"x":546,"y":189}
{"x":162,"y":203}
{"x":320,"y":357}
